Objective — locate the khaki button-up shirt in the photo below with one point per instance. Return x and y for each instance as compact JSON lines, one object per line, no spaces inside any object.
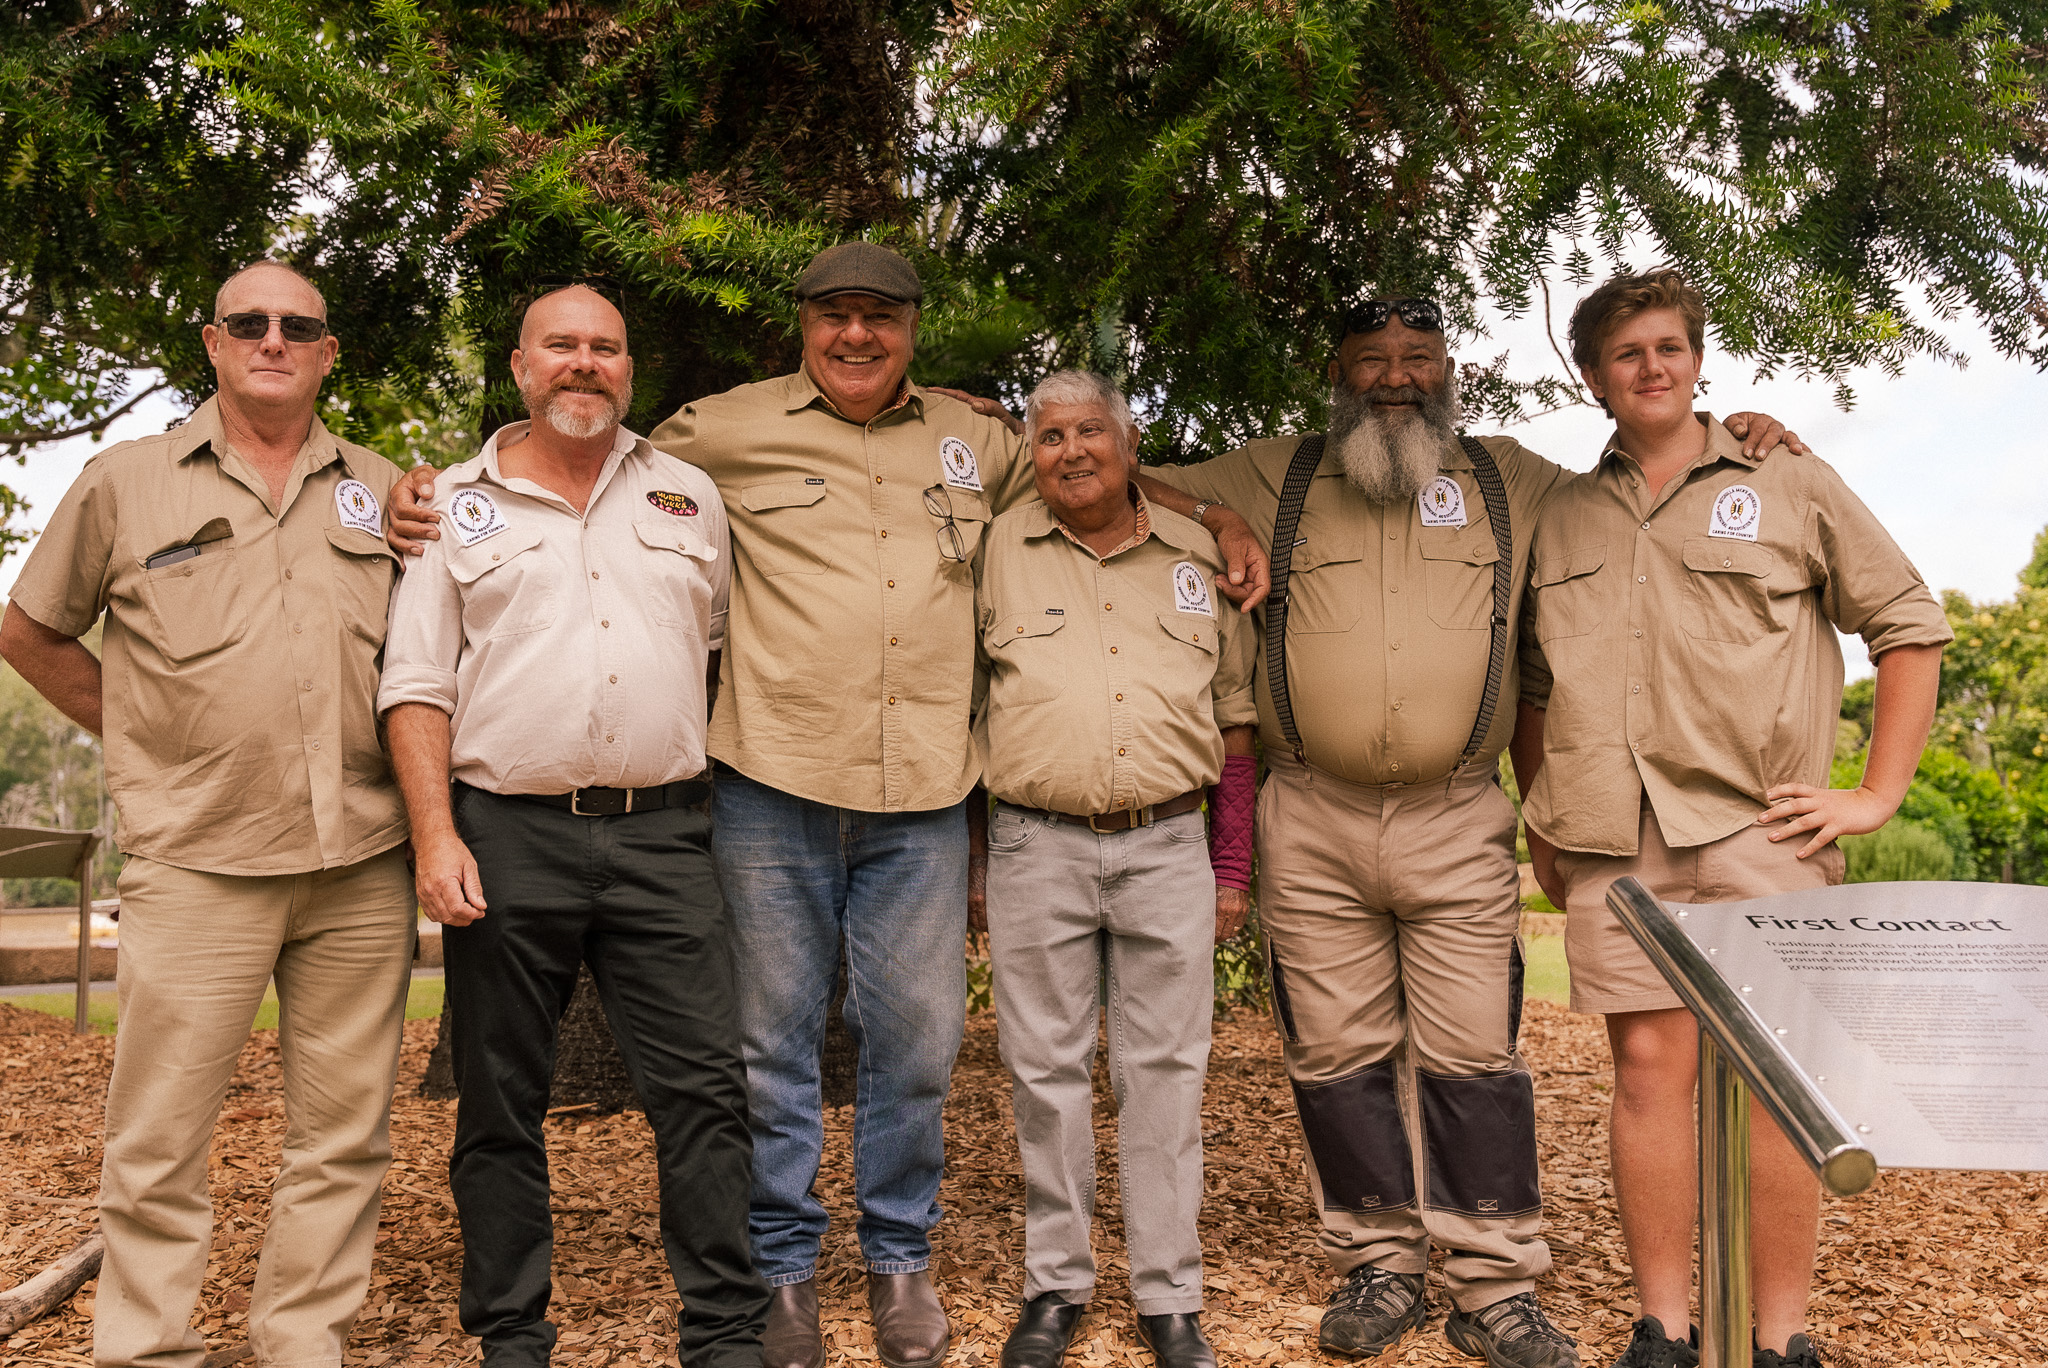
{"x":1684,"y":645}
{"x":570,"y":649}
{"x":1387,"y":622}
{"x":239,"y":686}
{"x":1110,"y":678}
{"x":851,"y":675}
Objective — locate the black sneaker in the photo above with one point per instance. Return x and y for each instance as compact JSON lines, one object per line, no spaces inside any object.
{"x":1799,"y":1353}
{"x":1649,"y":1347}
{"x":1370,"y":1310}
{"x":1512,"y":1333}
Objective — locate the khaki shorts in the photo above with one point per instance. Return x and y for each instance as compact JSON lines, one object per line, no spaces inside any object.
{"x":1610,"y":973}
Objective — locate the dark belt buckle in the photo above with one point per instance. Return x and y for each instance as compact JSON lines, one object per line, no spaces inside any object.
{"x":576,"y":805}
{"x":1135,"y":818}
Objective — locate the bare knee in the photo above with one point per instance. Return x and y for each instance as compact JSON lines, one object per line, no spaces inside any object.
{"x":1656,"y":1056}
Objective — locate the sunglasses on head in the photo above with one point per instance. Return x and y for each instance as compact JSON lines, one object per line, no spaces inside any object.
{"x":1374,"y":314}
{"x":247,"y":327}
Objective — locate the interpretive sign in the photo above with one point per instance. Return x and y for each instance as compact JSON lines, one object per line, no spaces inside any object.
{"x":1918,"y":1010}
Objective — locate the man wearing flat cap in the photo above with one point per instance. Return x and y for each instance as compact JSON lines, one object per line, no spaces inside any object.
{"x":843,"y":759}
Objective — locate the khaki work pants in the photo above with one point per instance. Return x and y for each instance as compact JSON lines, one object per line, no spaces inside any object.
{"x":197,"y":952}
{"x":1391,"y":916}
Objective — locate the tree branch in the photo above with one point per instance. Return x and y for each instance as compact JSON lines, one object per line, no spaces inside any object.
{"x":22,"y":439}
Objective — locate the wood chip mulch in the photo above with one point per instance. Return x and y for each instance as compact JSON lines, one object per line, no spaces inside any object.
{"x":1941,"y":1268}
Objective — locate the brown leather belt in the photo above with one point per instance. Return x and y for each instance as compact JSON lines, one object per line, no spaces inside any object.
{"x":1126,"y":818}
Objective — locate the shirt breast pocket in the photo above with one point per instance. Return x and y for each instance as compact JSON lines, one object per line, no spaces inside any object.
{"x":959,"y":518}
{"x":1728,"y":589}
{"x":363,"y":567}
{"x":506,"y":589}
{"x":1025,"y":652}
{"x":1458,"y":575}
{"x":198,"y":605}
{"x":786,"y":527}
{"x":1567,"y":592}
{"x":1191,"y":649}
{"x":679,"y":586}
{"x":1323,"y":575}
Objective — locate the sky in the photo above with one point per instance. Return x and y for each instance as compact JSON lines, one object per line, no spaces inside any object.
{"x":1951,"y":461}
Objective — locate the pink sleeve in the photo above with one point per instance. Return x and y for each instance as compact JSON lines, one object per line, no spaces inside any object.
{"x":1230,"y":821}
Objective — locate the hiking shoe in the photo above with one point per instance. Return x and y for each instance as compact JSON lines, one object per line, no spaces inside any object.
{"x":1799,"y":1353}
{"x":1512,"y":1333}
{"x":1370,"y":1310}
{"x":1650,"y":1347}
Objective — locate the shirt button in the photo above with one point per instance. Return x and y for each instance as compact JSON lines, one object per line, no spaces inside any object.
{"x":1112,"y":650}
{"x":1397,"y":705}
{"x":1020,"y":631}
{"x":1119,"y":698}
{"x":287,"y":574}
{"x":609,"y":740}
{"x":1726,"y":563}
{"x":1198,"y":637}
{"x":1103,"y":563}
{"x":892,"y":640}
{"x":1637,"y":689}
{"x":604,"y":622}
{"x":1394,"y":645}
{"x":1393,"y":588}
{"x":1646,"y":527}
{"x":1396,"y":765}
{"x":306,"y":684}
{"x":878,"y":479}
{"x":1119,"y":750}
{"x":1107,"y":607}
{"x":297,"y":628}
{"x":316,"y":745}
{"x":885,"y":534}
{"x":494,"y":555}
{"x":1642,"y":579}
{"x":1639,"y":631}
{"x":892,"y":584}
{"x":892,"y":700}
{"x":594,"y":575}
{"x":1393,"y":536}
{"x":615,"y":679}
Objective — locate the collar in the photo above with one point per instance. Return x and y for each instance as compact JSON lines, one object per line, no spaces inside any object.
{"x":204,"y":431}
{"x":625,"y":442}
{"x":1721,"y":446}
{"x":804,"y":393}
{"x":1167,"y":526}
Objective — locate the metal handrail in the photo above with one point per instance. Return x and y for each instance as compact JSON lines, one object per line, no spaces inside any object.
{"x":1809,"y":1120}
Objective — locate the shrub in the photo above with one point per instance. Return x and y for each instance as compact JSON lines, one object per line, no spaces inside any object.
{"x":1897,"y":851}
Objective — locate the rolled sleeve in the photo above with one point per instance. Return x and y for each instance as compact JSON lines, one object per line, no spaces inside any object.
{"x":65,"y":583}
{"x":1868,"y":587}
{"x":1231,"y":688}
{"x":423,"y":641}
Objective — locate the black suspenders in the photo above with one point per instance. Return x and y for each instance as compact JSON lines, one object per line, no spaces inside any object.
{"x":1293,"y":493}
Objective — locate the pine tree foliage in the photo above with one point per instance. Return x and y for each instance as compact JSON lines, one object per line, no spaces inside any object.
{"x":1182,"y":191}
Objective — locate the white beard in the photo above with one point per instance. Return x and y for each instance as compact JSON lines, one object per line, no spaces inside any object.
{"x":1390,"y":457}
{"x":546,"y":406}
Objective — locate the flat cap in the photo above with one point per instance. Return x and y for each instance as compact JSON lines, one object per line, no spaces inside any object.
{"x":860,"y":267}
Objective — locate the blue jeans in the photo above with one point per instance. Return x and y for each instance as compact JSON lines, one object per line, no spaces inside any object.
{"x":798,"y":875}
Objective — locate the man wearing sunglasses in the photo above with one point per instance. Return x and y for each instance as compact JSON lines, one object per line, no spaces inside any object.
{"x":240,"y":562}
{"x":844,"y":759}
{"x":1388,"y":887}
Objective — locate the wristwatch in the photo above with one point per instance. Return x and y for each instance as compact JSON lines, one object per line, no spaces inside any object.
{"x":1202,"y":509}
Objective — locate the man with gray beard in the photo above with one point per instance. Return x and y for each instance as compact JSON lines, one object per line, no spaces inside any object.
{"x":1387,"y":883}
{"x":546,"y":685}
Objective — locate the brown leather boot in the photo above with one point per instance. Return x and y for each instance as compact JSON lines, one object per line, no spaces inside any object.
{"x":792,"y":1339}
{"x":910,"y":1325}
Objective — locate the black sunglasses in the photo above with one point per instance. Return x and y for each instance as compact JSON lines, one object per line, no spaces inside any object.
{"x":247,"y":327}
{"x":1374,"y":314}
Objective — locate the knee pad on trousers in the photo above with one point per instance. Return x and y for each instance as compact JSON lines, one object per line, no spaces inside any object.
{"x":1353,"y":1128}
{"x":1482,"y":1143}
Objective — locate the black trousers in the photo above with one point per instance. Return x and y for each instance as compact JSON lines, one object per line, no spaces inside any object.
{"x":637,"y":898}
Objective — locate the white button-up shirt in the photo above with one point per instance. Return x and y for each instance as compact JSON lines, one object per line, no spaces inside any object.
{"x":569,"y":649}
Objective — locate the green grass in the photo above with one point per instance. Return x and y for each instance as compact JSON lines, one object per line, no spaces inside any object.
{"x":422,"y":1000}
{"x":1544,"y":974}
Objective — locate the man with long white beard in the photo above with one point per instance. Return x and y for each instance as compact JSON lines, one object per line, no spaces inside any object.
{"x":545,"y":690}
{"x":1387,"y":884}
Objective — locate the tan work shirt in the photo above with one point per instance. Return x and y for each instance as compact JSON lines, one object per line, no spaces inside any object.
{"x":239,"y":683}
{"x":1387,"y":624}
{"x":570,"y":649}
{"x":851,"y":674}
{"x":1110,"y":678}
{"x":1691,"y":637}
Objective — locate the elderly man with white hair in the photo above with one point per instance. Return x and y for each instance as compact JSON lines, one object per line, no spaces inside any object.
{"x":1119,"y":699}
